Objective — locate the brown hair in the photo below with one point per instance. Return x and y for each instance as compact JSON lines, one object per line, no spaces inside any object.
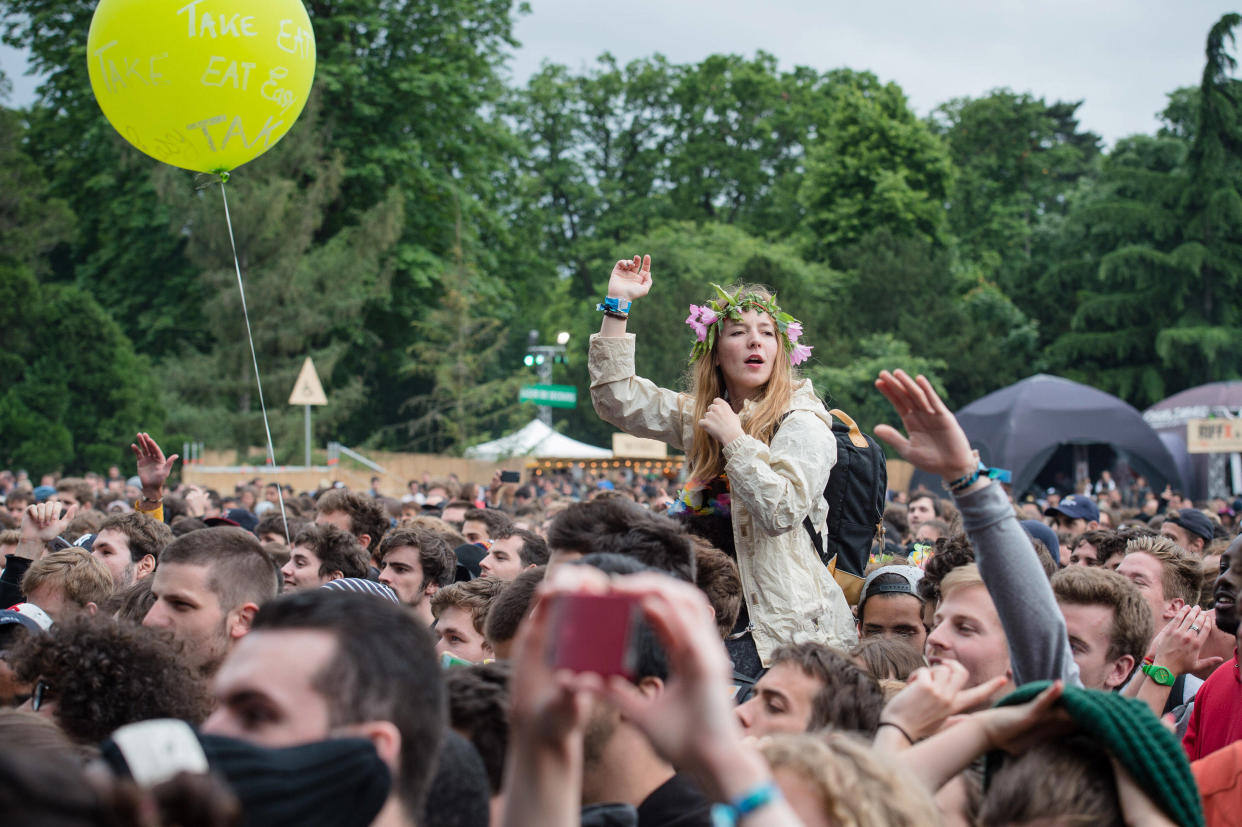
{"x":1181,"y":575}
{"x":848,"y":698}
{"x":474,"y":596}
{"x":496,"y":521}
{"x":444,"y":530}
{"x":706,"y":460}
{"x":437,"y":560}
{"x":511,"y":606}
{"x":338,"y":551}
{"x":1068,"y":781}
{"x":238,"y":569}
{"x":887,"y":658}
{"x":366,"y":516}
{"x":81,"y":490}
{"x":83,"y":578}
{"x":717,"y":576}
{"x":855,"y":787}
{"x":144,"y":535}
{"x":1107,"y":543}
{"x":1132,"y":626}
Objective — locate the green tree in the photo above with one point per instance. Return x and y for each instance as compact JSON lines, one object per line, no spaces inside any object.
{"x":305,"y":293}
{"x":458,"y":349}
{"x":1159,"y":313}
{"x":876,"y":165}
{"x":1017,"y":158}
{"x":850,"y":385}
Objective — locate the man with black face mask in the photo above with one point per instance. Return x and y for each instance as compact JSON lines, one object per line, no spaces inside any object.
{"x":1217,"y":719}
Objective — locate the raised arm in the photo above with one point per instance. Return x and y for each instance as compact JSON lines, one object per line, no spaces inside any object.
{"x":629,"y":280}
{"x":1034,"y":626}
{"x":621,"y":398}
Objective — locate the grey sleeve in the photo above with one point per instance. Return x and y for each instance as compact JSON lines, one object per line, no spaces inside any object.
{"x":1038,"y":642}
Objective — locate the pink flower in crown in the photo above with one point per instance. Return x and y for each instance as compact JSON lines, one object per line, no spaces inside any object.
{"x":799,"y":354}
{"x":700,"y":319}
{"x":794,"y":331}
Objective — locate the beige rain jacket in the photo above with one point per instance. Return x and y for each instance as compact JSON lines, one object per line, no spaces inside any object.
{"x":789,"y":593}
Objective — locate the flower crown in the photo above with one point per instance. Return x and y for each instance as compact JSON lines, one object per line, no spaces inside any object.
{"x":705,"y":320}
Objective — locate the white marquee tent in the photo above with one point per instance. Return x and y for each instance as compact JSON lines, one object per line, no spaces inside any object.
{"x":536,"y":440}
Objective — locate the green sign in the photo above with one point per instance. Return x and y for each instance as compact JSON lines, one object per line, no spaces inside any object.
{"x":550,"y":396}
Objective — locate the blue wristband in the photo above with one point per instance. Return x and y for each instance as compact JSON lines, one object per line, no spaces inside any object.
{"x":728,"y":815}
{"x":612,"y":304}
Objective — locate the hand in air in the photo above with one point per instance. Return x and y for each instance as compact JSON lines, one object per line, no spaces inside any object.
{"x":153,"y":467}
{"x":630,"y":279}
{"x":43,"y":522}
{"x":936,"y":443}
{"x":721,"y":422}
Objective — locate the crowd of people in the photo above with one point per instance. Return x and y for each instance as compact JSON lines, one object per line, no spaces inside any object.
{"x":607,"y":652}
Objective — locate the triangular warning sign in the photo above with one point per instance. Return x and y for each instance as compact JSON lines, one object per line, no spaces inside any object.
{"x":307,"y":390}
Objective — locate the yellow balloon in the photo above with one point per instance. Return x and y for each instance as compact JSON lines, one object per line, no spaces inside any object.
{"x":205,"y":85}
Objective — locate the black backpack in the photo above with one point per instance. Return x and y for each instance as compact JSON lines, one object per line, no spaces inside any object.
{"x":856,"y":493}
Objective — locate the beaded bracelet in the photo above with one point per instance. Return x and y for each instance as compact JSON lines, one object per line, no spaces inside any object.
{"x":728,"y":815}
{"x":960,"y":484}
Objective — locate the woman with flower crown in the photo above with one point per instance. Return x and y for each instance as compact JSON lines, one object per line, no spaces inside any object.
{"x":759,"y":445}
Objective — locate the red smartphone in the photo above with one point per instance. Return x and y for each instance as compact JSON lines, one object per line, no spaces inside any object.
{"x":594,"y":633}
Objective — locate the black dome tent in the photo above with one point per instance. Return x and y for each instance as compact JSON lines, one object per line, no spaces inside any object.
{"x":1020,"y":428}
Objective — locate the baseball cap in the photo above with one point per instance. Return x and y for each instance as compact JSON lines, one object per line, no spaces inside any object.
{"x":28,"y":615}
{"x":42,"y":492}
{"x":1194,"y":521}
{"x":911,"y":575}
{"x":1076,"y":507}
{"x":1038,"y":531}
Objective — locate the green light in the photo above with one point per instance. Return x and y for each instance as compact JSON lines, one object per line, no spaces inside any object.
{"x":529,"y":360}
{"x":539,"y":359}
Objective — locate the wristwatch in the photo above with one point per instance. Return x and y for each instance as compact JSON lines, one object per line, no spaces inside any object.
{"x":1159,"y":674}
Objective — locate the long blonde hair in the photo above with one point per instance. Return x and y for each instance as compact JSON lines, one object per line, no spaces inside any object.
{"x":707,"y":384}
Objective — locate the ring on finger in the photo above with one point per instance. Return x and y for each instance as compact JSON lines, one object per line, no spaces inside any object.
{"x":1194,"y":628}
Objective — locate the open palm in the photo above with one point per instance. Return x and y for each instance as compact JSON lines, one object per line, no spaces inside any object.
{"x":936,"y":442}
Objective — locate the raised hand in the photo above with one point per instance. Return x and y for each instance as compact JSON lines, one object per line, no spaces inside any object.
{"x":1176,"y":647}
{"x":721,"y":422}
{"x":42,"y":523}
{"x":630,"y":279}
{"x":936,"y":443}
{"x":153,"y":467}
{"x":933,"y":694}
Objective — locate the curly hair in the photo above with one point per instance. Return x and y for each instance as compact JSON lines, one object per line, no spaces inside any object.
{"x":855,"y":787}
{"x":951,"y":552}
{"x":103,"y":675}
{"x":366,"y":516}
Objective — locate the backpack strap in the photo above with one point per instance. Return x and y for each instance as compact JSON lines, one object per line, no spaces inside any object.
{"x":856,"y":435}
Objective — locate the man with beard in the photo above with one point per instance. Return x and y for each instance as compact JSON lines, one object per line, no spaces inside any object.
{"x":1217,"y":718}
{"x":207,"y":587}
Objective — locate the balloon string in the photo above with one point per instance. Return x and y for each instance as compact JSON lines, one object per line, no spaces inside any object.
{"x":241,"y":289}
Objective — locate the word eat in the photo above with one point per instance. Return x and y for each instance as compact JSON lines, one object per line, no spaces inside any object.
{"x":204,"y":24}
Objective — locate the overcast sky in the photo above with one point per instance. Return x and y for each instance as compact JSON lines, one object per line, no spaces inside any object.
{"x":1120,"y":56}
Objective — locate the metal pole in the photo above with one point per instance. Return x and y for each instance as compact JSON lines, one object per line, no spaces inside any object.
{"x":545,"y":377}
{"x":308,"y":437}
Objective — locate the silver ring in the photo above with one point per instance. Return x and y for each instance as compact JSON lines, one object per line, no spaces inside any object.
{"x":1194,"y":628}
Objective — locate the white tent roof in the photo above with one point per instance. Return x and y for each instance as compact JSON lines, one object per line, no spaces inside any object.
{"x":536,"y":440}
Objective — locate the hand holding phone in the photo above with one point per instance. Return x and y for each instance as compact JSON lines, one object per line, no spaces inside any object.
{"x":510,"y":476}
{"x":594,"y":633}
